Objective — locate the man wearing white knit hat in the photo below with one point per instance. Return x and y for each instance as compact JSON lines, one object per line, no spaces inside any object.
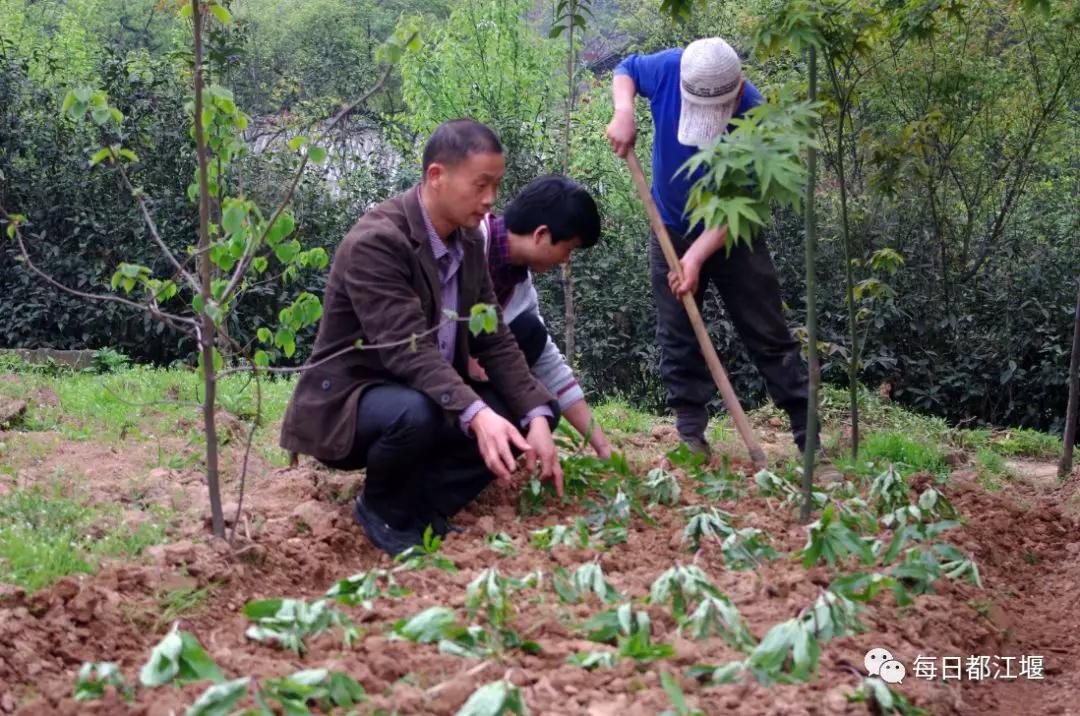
{"x":694,"y":94}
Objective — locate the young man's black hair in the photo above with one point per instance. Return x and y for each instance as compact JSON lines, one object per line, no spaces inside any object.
{"x":559,"y":203}
{"x":454,"y":140}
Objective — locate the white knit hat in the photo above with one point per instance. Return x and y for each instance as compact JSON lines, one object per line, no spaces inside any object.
{"x":710,"y":76}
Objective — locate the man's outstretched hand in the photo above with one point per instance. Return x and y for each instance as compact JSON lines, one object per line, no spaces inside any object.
{"x":495,"y":435}
{"x":543,"y":446}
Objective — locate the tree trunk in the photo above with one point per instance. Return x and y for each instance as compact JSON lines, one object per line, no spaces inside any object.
{"x":569,"y":315}
{"x":1069,"y":442}
{"x":206,"y":337}
{"x":853,"y":362}
{"x":810,"y":450}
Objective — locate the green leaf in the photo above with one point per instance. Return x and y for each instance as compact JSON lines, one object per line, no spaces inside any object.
{"x":262,"y":359}
{"x":483,"y":318}
{"x":428,"y":626}
{"x":264,"y":334}
{"x":344,"y":690}
{"x":99,"y":156}
{"x":297,"y":142}
{"x":287,"y":251}
{"x":674,"y":692}
{"x":317,"y":154}
{"x":223,"y":15}
{"x":164,"y":662}
{"x":218,"y":700}
{"x":195,"y":663}
{"x":495,"y":699}
{"x":593,"y":659}
{"x":179,"y":654}
{"x":262,"y":608}
{"x":232,"y":220}
{"x":260,"y":264}
{"x":93,"y":678}
{"x":285,"y":339}
{"x":282,"y":227}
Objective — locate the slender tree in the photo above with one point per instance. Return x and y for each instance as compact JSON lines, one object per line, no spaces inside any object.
{"x":810,"y":222}
{"x":1071,"y":412}
{"x":569,"y":14}
{"x":234,"y":245}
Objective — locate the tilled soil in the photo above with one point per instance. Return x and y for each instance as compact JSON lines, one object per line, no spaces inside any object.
{"x":296,"y":537}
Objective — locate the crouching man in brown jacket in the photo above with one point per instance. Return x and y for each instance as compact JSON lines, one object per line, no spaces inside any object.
{"x":430,"y":439}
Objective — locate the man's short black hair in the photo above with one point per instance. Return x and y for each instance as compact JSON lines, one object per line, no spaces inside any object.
{"x":454,"y":140}
{"x":559,"y":203}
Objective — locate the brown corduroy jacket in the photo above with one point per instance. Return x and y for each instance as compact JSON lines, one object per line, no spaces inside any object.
{"x":384,"y":288}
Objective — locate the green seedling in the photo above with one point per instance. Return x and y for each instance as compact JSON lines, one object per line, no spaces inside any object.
{"x":495,"y":699}
{"x":363,"y":588}
{"x":179,"y":656}
{"x":219,"y":699}
{"x":675,"y":694}
{"x":321,"y":687}
{"x":94,"y":678}
{"x":747,"y":548}
{"x":683,"y":457}
{"x":427,"y":627}
{"x":717,"y":615}
{"x":575,"y":536}
{"x":426,"y":555}
{"x":682,"y":586}
{"x":501,"y":543}
{"x":710,"y":524}
{"x":790,"y":651}
{"x":629,"y":631}
{"x":288,"y":622}
{"x":491,"y":591}
{"x":587,"y":578}
{"x":833,"y":538}
{"x":888,"y":491}
{"x":662,"y":487}
{"x":721,"y":485}
{"x":787,"y":490}
{"x":884,"y":700}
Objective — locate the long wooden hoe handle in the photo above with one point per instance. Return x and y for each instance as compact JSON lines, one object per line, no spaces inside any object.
{"x":731,"y":401}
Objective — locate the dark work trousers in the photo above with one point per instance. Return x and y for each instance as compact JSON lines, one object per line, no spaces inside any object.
{"x":418,"y":463}
{"x":747,"y":283}
{"x":531,"y":335}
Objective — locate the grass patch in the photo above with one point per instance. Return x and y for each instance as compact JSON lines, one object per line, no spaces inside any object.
{"x":617,"y":414}
{"x":1015,"y":442}
{"x":138,"y":401}
{"x":973,"y":439}
{"x":907,"y":454}
{"x":723,"y":430}
{"x":990,"y":468}
{"x":877,"y":415}
{"x":45,"y":535}
{"x":1022,"y":442}
{"x":180,"y":602}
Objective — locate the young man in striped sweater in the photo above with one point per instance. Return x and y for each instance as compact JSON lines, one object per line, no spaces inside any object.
{"x":538,"y":231}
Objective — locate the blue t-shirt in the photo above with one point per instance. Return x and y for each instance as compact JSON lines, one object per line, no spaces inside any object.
{"x":657,"y":78}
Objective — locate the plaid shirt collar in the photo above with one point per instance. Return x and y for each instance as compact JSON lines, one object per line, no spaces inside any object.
{"x":505,"y":276}
{"x":439,"y":247}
